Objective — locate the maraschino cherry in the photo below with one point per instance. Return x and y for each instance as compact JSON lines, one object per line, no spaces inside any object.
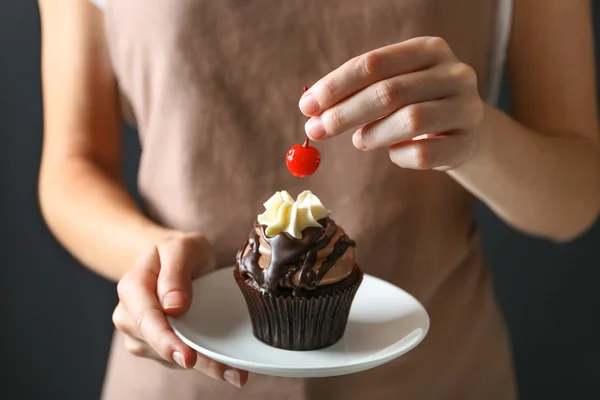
{"x":302,"y":160}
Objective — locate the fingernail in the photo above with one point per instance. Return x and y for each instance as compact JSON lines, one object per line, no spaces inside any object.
{"x":233,"y":377}
{"x":357,"y":140}
{"x":178,"y":358}
{"x":174,"y":299}
{"x":314,"y":128}
{"x":309,"y":104}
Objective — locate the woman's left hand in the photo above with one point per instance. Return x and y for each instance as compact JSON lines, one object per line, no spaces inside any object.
{"x":415,"y":89}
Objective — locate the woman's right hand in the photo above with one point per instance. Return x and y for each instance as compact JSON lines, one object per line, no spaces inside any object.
{"x":160,"y":284}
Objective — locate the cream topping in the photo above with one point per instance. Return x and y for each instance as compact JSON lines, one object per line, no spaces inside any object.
{"x":284,"y":214}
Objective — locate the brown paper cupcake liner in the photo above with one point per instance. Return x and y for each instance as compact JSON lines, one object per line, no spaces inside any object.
{"x":298,"y":323}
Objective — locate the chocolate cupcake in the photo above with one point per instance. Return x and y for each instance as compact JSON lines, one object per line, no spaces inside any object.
{"x":298,"y":274}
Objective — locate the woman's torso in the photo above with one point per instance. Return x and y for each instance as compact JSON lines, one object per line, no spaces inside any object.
{"x":213,"y":87}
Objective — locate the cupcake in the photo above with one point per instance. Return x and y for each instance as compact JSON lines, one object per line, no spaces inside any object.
{"x":298,"y":274}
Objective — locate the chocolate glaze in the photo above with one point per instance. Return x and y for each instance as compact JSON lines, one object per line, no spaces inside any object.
{"x":320,"y":290}
{"x":289,"y":254}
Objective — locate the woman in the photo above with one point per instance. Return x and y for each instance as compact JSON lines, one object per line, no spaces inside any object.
{"x":213,"y":89}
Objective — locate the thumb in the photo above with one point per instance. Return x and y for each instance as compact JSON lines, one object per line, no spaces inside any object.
{"x":179,"y":258}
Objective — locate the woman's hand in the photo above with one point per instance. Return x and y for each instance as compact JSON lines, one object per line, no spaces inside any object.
{"x":160,"y":285}
{"x":392,"y":95}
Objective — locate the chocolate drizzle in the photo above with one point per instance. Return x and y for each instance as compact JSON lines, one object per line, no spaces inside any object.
{"x":288,"y":255}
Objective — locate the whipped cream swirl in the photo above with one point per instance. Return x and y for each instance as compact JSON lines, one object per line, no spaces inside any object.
{"x":284,"y":214}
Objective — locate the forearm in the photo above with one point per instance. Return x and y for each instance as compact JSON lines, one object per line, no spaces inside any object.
{"x":94,"y":217}
{"x":545,"y":184}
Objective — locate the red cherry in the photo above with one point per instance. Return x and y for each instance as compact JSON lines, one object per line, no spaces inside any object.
{"x":302,"y":160}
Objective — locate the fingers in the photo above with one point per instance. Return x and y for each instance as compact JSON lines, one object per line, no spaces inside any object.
{"x":178,"y":259}
{"x":140,"y":348}
{"x":397,"y":59}
{"x":181,"y":259}
{"x":218,"y":371}
{"x":203,"y":364}
{"x":165,"y":273}
{"x":146,"y":320}
{"x":132,"y":342}
{"x":445,"y":115}
{"x":123,"y":322}
{"x":441,"y":152}
{"x":387,"y":96}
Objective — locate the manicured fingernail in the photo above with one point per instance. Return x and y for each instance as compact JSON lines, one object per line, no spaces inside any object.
{"x":314,"y":128}
{"x":174,"y":299}
{"x":357,"y":140}
{"x":309,"y":104}
{"x":233,"y":377}
{"x":178,"y":358}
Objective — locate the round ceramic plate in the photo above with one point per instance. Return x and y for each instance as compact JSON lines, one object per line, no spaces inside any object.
{"x":384,"y":323}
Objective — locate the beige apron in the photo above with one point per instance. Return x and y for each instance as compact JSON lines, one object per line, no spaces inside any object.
{"x":214,"y":86}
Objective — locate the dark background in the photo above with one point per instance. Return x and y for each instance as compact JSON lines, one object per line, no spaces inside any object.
{"x":55,"y":324}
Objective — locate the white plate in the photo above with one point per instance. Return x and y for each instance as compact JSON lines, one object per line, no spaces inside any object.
{"x":384,"y":323}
